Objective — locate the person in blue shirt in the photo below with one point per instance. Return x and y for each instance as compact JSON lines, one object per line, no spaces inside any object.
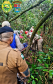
{"x":16,"y":41}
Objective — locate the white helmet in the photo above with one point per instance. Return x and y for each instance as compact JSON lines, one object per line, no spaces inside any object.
{"x":5,"y":23}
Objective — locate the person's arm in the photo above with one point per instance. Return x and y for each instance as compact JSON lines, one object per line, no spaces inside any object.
{"x":18,"y":43}
{"x":17,"y":63}
{"x":17,"y":60}
{"x":15,"y":31}
{"x":23,"y":66}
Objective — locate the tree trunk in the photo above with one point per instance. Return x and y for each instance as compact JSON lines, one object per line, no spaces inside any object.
{"x":37,"y":27}
{"x":26,"y":10}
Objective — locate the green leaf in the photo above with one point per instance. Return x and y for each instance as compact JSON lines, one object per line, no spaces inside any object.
{"x":36,"y":79}
{"x":39,"y":67}
{"x":32,"y":76}
{"x":33,"y":82}
{"x":45,"y":69}
{"x":46,"y":65}
{"x":48,"y":57}
{"x":51,"y":72}
{"x":39,"y":60}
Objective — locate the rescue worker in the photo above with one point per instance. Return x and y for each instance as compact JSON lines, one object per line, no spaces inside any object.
{"x":31,"y":29}
{"x":16,"y":41}
{"x":37,"y":41}
{"x":11,"y":60}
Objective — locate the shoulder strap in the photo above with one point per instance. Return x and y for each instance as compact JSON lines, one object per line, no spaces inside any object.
{"x":7,"y":59}
{"x":7,"y":56}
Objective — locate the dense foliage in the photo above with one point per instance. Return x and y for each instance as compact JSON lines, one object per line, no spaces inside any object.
{"x":40,"y":63}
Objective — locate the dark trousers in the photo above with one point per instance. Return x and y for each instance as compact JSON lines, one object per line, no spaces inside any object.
{"x":19,"y":81}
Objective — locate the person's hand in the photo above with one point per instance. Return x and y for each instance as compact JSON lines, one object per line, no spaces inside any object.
{"x":25,"y":45}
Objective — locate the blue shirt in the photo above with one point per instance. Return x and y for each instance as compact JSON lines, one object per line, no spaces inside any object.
{"x":13,"y":44}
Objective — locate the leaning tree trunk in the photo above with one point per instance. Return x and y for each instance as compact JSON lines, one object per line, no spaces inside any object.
{"x":37,"y":27}
{"x":26,"y":10}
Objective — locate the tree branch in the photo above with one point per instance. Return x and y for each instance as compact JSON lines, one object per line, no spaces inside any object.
{"x":26,"y":10}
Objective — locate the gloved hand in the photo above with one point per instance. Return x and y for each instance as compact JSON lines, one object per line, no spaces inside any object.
{"x":25,"y":44}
